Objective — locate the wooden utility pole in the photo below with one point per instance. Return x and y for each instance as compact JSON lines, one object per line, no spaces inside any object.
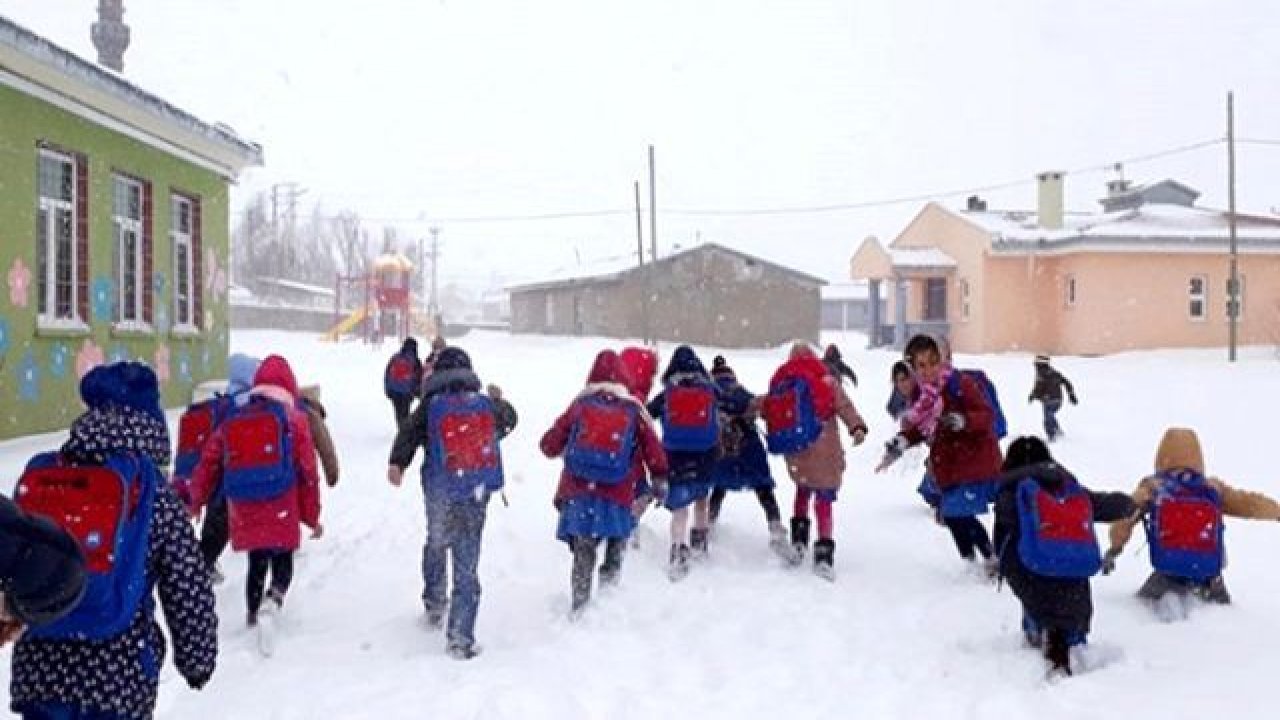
{"x":639,"y":227}
{"x":1233,"y":272}
{"x":644,"y":303}
{"x":653,"y":210}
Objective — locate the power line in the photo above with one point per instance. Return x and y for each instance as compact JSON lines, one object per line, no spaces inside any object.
{"x":1256,"y":141}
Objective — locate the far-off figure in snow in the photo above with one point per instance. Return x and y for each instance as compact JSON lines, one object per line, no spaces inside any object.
{"x":1048,"y":390}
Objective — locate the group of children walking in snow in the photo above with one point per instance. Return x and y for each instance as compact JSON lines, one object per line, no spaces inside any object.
{"x":250,"y":460}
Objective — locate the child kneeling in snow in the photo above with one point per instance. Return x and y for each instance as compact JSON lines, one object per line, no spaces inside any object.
{"x":1037,"y":501}
{"x":1183,"y":510}
{"x":607,"y":441}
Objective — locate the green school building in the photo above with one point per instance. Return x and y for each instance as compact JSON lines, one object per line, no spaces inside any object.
{"x":114,"y":233}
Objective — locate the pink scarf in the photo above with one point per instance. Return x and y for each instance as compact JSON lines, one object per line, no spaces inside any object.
{"x":925,"y":411}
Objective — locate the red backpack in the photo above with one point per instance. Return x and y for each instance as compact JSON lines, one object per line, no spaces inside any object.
{"x":194,"y":429}
{"x":258,"y":451}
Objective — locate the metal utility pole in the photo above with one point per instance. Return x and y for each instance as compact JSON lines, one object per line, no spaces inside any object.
{"x":1233,"y":273}
{"x":433,"y":307}
{"x":653,"y":210}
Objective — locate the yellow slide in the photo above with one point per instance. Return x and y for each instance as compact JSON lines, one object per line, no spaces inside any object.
{"x":346,"y":325}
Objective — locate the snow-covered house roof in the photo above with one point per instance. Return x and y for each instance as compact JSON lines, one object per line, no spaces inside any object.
{"x":37,"y":67}
{"x":919,"y":258}
{"x":847,"y":291}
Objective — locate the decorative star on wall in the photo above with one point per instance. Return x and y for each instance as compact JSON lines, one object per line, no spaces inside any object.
{"x":104,"y":298}
{"x":19,"y":283}
{"x":59,"y":360}
{"x":29,"y":378}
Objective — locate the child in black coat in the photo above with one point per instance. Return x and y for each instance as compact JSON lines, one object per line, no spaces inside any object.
{"x":1056,"y":611}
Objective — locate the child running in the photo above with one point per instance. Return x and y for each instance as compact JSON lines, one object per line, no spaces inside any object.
{"x":607,"y":441}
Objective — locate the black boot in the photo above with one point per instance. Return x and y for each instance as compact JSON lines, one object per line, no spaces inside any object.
{"x":824,"y":558}
{"x":611,"y":568}
{"x":799,"y":539}
{"x":698,"y":543}
{"x":1057,"y":652}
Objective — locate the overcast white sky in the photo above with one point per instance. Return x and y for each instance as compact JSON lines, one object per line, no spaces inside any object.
{"x":401,"y":109}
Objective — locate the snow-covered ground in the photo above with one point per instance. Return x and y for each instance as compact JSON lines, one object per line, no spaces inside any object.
{"x":906,"y":631}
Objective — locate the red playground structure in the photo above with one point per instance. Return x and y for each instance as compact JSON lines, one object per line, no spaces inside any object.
{"x":385,"y":301}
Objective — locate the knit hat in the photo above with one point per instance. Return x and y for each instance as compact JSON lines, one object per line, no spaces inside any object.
{"x":240,"y":371}
{"x":126,"y":384}
{"x":720,"y":368}
{"x":1026,"y":451}
{"x":1179,"y":448}
{"x":453,"y":358}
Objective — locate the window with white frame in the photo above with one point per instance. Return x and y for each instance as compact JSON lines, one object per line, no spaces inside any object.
{"x":1197,"y":294}
{"x":126,"y":217}
{"x":181,"y":233}
{"x":56,"y":284}
{"x":964,"y":299}
{"x":1239,"y":298}
{"x":1069,"y":291}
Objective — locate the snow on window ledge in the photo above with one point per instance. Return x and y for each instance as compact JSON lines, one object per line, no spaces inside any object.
{"x":185,"y":331}
{"x":132,"y":327}
{"x":46,"y":325}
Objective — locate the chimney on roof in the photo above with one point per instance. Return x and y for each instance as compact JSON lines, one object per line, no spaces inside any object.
{"x":110,"y":34}
{"x":1049,"y":205}
{"x":1118,"y":187}
{"x":976,"y":204}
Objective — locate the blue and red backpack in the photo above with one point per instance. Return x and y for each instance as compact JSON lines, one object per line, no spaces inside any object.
{"x":1185,"y":528}
{"x":257,"y":460}
{"x":399,"y":379}
{"x":195,"y":427}
{"x":691,"y":416}
{"x":602,"y":441}
{"x":790,"y":417}
{"x":108,"y":509}
{"x":1056,"y":538}
{"x":999,"y":424}
{"x":462,"y":442}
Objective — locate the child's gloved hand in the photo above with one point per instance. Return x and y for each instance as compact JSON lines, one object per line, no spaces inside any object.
{"x":197,"y":682}
{"x":892,"y":451}
{"x":494,"y":391}
{"x":1072,"y":398}
{"x":859,"y":434}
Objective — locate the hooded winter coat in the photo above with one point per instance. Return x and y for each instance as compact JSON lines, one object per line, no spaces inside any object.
{"x":744,"y":462}
{"x":120,"y":675}
{"x":605,"y":383}
{"x":821,"y":466}
{"x":270,"y":524}
{"x":1055,"y":603}
{"x":685,"y":466}
{"x":316,"y":421}
{"x":1180,"y":449}
{"x":409,"y":351}
{"x":639,"y":365}
{"x":968,"y":455}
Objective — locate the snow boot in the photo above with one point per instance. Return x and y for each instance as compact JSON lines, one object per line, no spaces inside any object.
{"x":1214,"y":591}
{"x":824,"y":558}
{"x":1032,"y":632}
{"x":611,"y":568}
{"x":267,"y":618}
{"x":1057,"y":652}
{"x":699,"y":543}
{"x":778,"y":540}
{"x":679,"y":567}
{"x":799,"y":539}
{"x":462,"y":652}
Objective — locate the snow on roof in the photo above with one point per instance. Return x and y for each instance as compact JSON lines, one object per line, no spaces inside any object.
{"x":920,"y":257}
{"x":847,"y":291}
{"x":300,"y":287}
{"x":1158,"y":222}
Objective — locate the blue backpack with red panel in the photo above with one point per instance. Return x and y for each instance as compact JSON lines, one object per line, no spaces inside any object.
{"x":401,"y":372}
{"x":791,"y":420}
{"x":1185,"y":528}
{"x":108,"y":509}
{"x":602,"y":440}
{"x":691,"y":416}
{"x":257,"y":461}
{"x":1057,"y":537}
{"x":195,"y":427}
{"x":462,"y":442}
{"x":998,"y":423}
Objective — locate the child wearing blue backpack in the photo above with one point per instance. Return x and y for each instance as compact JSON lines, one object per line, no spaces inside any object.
{"x":459,"y":428}
{"x":1182,"y":510}
{"x":688,"y":407}
{"x":1047,"y":548}
{"x":607,"y":441}
{"x":105,"y":487}
{"x":402,"y":378}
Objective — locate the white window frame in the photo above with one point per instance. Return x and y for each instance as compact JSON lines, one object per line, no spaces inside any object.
{"x":1069,"y":290}
{"x":183,"y":239}
{"x":49,"y":317}
{"x":1202,"y":297}
{"x":1226,"y":304}
{"x":122,"y":225}
{"x":963,"y":292}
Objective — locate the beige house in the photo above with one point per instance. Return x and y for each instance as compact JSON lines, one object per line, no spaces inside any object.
{"x":1149,"y":270}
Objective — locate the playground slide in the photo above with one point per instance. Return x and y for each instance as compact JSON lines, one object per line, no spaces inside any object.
{"x":348,"y":323}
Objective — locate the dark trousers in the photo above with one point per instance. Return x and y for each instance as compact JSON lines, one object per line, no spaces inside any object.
{"x":584,"y":565}
{"x":401,"y":403}
{"x":768,"y":503}
{"x":969,"y":535}
{"x":1051,"y":427}
{"x":280,"y":563}
{"x":214,"y":532}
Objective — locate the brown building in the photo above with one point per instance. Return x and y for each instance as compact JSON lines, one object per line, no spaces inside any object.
{"x":706,"y":295}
